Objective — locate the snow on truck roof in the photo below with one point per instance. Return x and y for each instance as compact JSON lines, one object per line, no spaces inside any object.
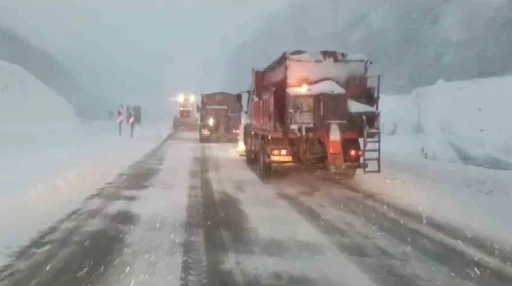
{"x":326,"y":86}
{"x":219,"y":92}
{"x":299,"y":66}
{"x":356,"y":107}
{"x":331,"y":87}
{"x":324,"y":55}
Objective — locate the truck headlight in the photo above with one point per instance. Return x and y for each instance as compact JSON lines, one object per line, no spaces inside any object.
{"x":181,"y":98}
{"x":210,"y":121}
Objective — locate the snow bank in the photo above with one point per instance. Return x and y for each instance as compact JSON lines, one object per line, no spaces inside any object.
{"x":25,"y":100}
{"x":446,"y":154}
{"x":466,"y":121}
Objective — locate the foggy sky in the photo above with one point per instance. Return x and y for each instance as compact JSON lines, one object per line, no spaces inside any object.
{"x":140,"y":51}
{"x":412,"y":43}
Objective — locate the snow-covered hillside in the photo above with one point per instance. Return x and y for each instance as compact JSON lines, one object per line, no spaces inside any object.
{"x":26,"y":101}
{"x":466,"y":121}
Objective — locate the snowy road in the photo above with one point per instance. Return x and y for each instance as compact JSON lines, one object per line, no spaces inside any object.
{"x":191,"y":214}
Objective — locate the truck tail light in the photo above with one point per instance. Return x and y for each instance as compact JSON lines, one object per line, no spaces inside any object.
{"x":355,"y":153}
{"x":279,"y":152}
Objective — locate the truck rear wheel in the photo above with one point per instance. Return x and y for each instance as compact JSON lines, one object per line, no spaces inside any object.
{"x":249,"y":156}
{"x":264,"y":164}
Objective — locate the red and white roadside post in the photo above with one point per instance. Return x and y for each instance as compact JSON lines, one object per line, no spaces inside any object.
{"x":131,"y":121}
{"x":120,"y":119}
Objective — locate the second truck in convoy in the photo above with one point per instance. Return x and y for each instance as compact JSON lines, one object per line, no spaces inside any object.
{"x":318,"y":109}
{"x":219,"y":117}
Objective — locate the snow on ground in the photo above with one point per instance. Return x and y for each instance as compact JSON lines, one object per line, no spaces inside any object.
{"x":447,"y":154}
{"x":50,"y":177}
{"x":51,"y":161}
{"x":471,"y":198}
{"x":271,"y":222}
{"x":154,"y":245}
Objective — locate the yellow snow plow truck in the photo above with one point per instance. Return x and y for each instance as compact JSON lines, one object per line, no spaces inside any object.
{"x":186,"y":118}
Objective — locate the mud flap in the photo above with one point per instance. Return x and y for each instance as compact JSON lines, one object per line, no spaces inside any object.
{"x":335,"y":148}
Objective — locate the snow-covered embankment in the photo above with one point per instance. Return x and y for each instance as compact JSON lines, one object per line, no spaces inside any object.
{"x":50,"y":161}
{"x":447,"y":154}
{"x":467,"y":122}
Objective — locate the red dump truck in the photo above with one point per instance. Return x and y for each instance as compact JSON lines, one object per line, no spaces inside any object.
{"x":318,"y":109}
{"x":219,"y":117}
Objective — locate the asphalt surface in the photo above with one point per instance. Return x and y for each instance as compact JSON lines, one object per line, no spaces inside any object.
{"x":195,"y":214}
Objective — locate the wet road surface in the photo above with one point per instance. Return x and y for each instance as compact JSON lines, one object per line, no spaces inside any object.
{"x":195,"y":214}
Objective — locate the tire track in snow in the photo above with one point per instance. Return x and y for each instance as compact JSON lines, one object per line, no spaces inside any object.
{"x":76,"y":251}
{"x":203,"y":217}
{"x":493,"y":255}
{"x":215,"y":246}
{"x":295,"y":254}
{"x":390,"y":272}
{"x":193,"y":265}
{"x":482,"y":161}
{"x":384,"y":270}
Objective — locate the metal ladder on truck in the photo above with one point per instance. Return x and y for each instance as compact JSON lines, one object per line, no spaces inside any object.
{"x":372,"y":137}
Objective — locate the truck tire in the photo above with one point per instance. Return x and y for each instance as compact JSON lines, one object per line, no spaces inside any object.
{"x":250,"y":156}
{"x":264,"y":164}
